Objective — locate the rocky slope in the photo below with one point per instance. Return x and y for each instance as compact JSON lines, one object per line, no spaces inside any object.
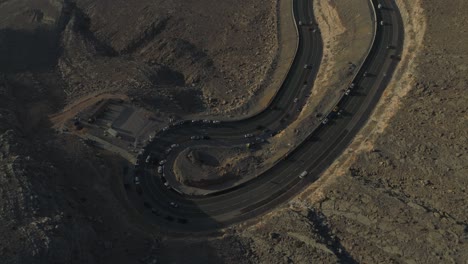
{"x":60,"y":198}
{"x":403,"y":200}
{"x":147,"y":47}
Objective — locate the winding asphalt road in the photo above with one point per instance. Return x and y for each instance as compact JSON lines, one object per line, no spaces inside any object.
{"x":318,"y":151}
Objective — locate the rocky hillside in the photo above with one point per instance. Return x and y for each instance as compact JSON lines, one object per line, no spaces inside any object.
{"x":58,"y":195}
{"x":404,"y":201}
{"x":151,"y":47}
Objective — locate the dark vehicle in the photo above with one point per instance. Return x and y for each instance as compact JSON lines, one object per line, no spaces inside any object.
{"x":139,"y":190}
{"x":182,"y":220}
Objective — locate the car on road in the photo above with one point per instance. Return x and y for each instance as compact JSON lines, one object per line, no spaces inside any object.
{"x":296,"y":99}
{"x":337,"y":110}
{"x":168,"y":150}
{"x":307,"y":66}
{"x":165,"y":128}
{"x":249,"y":135}
{"x":352,"y":86}
{"x":348,"y":92}
{"x":139,"y":190}
{"x":195,"y":137}
{"x":250,"y":145}
{"x":303,"y":174}
{"x":174,"y":145}
{"x":160,"y":169}
{"x":155,"y":212}
{"x":216,"y":122}
{"x":300,"y":23}
{"x":137,"y":180}
{"x":162,"y":162}
{"x":148,"y":159}
{"x":173,"y":204}
{"x":182,"y":220}
{"x":382,"y":23}
{"x":167,"y":185}
{"x":325,"y":121}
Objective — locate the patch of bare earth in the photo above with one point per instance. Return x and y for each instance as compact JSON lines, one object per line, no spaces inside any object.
{"x":212,"y":166}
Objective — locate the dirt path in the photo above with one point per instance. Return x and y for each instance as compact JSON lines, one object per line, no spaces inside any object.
{"x":79,"y":105}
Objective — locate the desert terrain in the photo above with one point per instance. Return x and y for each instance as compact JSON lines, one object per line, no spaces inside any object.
{"x":397,"y":195}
